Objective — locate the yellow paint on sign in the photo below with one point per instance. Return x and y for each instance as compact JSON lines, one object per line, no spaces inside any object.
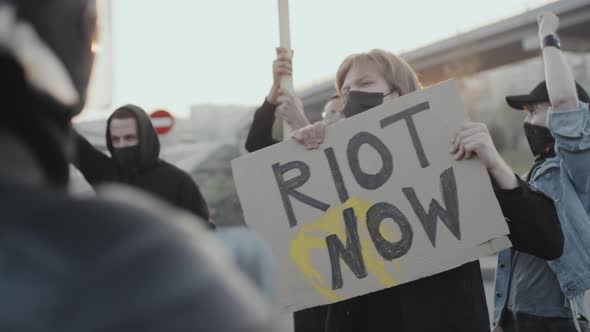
{"x":312,"y":237}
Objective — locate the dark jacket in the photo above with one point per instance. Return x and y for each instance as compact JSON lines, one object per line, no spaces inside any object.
{"x":454,"y":300}
{"x":153,"y":175}
{"x":260,"y":134}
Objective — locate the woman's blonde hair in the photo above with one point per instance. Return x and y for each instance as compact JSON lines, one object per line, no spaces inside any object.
{"x":395,"y":70}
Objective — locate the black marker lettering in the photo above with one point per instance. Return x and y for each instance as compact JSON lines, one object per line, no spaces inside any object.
{"x":351,"y":255}
{"x":450,"y":216}
{"x":369,"y":181}
{"x":336,"y":175}
{"x":389,"y":250}
{"x":289,"y":188}
{"x":407,"y":116}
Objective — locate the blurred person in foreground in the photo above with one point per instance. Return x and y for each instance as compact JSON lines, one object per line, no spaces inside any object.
{"x":120,"y":262}
{"x":453,"y":300}
{"x":534,"y":294}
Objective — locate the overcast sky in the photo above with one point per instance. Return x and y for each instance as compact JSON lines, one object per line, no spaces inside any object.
{"x":175,"y":53}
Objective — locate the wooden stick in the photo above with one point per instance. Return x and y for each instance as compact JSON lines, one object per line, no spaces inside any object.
{"x":282,"y":130}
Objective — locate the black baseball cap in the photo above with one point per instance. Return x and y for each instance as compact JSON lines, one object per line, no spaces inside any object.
{"x":539,"y":95}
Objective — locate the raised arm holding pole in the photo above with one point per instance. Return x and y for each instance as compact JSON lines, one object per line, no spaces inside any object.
{"x":280,"y":129}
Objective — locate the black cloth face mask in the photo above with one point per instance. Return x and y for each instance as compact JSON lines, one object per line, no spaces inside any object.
{"x":128,"y":157}
{"x":360,"y":101}
{"x":540,"y":140}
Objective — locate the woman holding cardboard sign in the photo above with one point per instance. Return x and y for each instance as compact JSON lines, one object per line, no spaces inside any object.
{"x":452,"y":300}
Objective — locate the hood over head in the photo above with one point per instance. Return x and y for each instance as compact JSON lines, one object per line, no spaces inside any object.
{"x":149,"y":143}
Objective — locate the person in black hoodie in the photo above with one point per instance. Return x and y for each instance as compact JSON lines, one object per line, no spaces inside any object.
{"x":135,"y":150}
{"x":119,"y":262}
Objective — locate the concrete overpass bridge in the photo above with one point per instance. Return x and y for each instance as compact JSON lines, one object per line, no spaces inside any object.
{"x":501,"y":43}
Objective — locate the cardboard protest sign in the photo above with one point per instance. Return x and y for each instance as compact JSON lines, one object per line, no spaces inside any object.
{"x":381,"y":203}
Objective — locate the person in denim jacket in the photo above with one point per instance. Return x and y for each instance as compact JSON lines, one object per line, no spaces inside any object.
{"x":533,"y":294}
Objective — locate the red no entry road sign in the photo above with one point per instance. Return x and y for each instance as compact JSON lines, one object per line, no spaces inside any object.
{"x":162,"y":121}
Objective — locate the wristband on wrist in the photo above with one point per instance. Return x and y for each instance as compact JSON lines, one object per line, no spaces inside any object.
{"x":551,"y":40}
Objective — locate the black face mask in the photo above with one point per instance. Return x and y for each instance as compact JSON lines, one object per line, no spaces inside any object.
{"x":128,"y":157}
{"x":359,"y":101}
{"x":539,"y":138}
